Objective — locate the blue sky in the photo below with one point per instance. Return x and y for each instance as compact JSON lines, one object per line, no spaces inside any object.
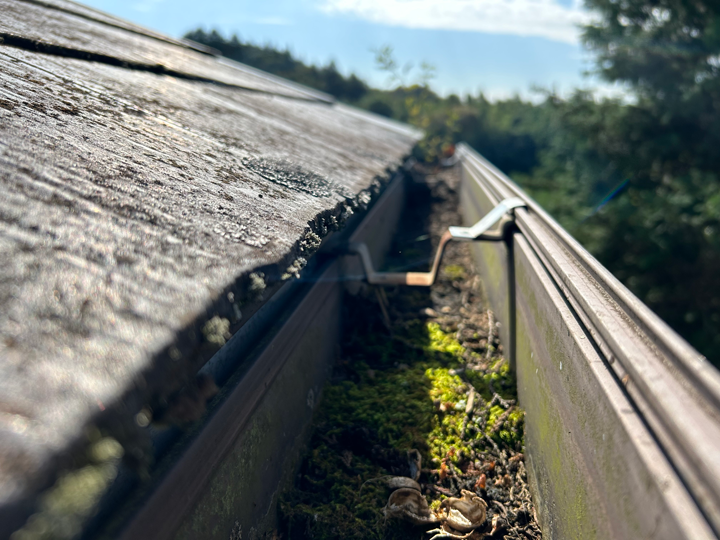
{"x":501,"y":47}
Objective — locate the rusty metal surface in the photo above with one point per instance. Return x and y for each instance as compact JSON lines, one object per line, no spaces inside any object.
{"x":641,"y":367}
{"x":132,"y":203}
{"x":33,"y":26}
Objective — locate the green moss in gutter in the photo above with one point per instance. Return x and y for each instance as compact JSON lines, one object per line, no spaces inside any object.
{"x":398,"y":393}
{"x":454,"y":272}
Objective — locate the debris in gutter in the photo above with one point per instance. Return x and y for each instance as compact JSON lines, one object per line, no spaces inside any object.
{"x":419,"y":372}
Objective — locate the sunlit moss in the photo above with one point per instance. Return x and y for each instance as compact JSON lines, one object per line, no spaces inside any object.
{"x":513,"y":428}
{"x":495,"y":412}
{"x":407,"y":393}
{"x":444,"y":438}
{"x":439,"y":341}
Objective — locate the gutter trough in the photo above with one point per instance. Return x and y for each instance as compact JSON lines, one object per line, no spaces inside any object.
{"x":152,"y":191}
{"x":249,"y":449}
{"x":623,"y":438}
{"x":602,"y":460}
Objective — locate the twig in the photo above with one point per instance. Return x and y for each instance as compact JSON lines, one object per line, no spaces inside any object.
{"x":491,"y":325}
{"x":441,"y":533}
{"x":499,"y":453}
{"x":441,"y":490}
{"x":498,"y":399}
{"x":468,"y":412}
{"x":501,"y":420}
{"x":502,"y":507}
{"x":453,"y":476}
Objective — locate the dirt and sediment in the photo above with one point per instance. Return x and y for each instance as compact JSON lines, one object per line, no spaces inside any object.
{"x":420,"y":390}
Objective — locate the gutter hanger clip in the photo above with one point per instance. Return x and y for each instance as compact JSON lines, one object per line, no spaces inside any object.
{"x":501,"y":214}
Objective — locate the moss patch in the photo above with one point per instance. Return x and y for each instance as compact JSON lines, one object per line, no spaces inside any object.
{"x":454,"y":271}
{"x":64,"y":508}
{"x":398,"y":393}
{"x":434,"y":381}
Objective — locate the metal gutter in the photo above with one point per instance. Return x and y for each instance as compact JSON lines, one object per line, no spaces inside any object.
{"x":671,"y":388}
{"x":622,"y":426}
{"x":298,"y":352}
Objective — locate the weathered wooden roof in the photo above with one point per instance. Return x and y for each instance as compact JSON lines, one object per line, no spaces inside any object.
{"x":134,"y":198}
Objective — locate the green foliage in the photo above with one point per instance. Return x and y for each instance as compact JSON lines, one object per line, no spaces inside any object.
{"x":666,"y":50}
{"x":636,"y":181}
{"x":282,"y":63}
{"x":454,"y":272}
{"x":661,"y":237}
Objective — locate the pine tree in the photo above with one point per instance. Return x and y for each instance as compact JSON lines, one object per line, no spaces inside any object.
{"x":662,"y":236}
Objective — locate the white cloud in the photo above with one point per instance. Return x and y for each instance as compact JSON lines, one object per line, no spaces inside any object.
{"x":542,"y":18}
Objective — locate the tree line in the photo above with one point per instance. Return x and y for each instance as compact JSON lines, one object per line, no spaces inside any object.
{"x":635,"y":180}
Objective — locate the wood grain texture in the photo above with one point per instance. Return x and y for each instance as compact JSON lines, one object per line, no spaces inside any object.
{"x":45,"y":27}
{"x":105,"y":19}
{"x":131,"y":203}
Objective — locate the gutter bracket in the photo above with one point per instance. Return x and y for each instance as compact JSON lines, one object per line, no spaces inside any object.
{"x":502,"y":215}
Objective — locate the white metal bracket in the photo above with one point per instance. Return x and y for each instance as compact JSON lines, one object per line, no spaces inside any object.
{"x":501,"y":215}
